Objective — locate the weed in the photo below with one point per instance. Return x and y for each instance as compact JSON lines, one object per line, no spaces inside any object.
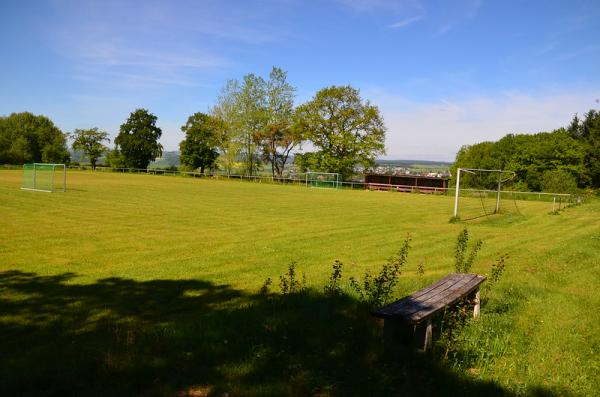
{"x":377,"y":290}
{"x":288,"y":282}
{"x":463,"y":263}
{"x":498,"y":269}
{"x":264,"y":290}
{"x":332,"y":288}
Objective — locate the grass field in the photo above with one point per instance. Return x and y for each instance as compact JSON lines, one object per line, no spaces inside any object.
{"x":136,"y":284}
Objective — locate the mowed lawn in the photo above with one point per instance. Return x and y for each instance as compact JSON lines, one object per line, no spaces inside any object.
{"x":127,"y":234}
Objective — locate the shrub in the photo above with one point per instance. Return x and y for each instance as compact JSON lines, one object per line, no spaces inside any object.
{"x":333,"y":286}
{"x":463,"y":263}
{"x":288,"y":282}
{"x":377,"y":290}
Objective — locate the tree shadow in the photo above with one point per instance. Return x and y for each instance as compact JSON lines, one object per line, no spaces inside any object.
{"x":191,"y":337}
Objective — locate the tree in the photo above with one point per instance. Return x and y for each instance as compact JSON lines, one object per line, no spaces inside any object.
{"x":558,"y":181}
{"x":27,"y":138}
{"x":252,"y":109}
{"x":346,"y":131}
{"x":90,"y":142}
{"x":529,"y":156}
{"x":138,"y":139}
{"x":276,"y":142}
{"x":226,"y":110}
{"x":252,"y":118}
{"x":587,"y":132}
{"x":202,"y":136}
{"x":279,"y":137}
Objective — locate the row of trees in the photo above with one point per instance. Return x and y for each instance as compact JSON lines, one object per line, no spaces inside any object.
{"x":254,"y":122}
{"x":561,"y":160}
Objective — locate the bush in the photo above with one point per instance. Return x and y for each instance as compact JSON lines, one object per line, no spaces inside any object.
{"x":463,"y":262}
{"x":559,"y":181}
{"x":377,"y":290}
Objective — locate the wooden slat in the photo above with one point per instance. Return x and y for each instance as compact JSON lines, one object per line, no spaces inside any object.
{"x":459,"y":293}
{"x":417,"y":301}
{"x":425,"y":302}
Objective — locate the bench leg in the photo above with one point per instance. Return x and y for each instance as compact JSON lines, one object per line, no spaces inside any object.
{"x":428,"y":336}
{"x":476,"y":306}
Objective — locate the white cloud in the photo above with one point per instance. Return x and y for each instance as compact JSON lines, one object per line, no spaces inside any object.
{"x":405,"y":22}
{"x":436,"y":130}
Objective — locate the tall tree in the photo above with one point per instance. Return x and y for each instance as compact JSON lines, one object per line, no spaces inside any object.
{"x":27,"y":138}
{"x":203,"y":133}
{"x":226,"y":110}
{"x":138,"y":139}
{"x":279,"y":137}
{"x":346,"y":131}
{"x":90,"y":143}
{"x":587,"y":131}
{"x":251,"y":102}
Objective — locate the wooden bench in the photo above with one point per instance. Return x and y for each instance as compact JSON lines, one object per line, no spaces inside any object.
{"x":409,"y":319}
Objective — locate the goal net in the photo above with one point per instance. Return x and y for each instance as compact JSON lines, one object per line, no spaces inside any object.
{"x":481,"y":193}
{"x":44,"y":177}
{"x":323,"y":179}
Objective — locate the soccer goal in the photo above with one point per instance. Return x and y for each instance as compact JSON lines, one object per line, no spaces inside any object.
{"x":478,"y":193}
{"x":323,"y":179}
{"x":43,"y":177}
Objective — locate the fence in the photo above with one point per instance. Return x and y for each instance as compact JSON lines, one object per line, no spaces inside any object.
{"x":559,"y":199}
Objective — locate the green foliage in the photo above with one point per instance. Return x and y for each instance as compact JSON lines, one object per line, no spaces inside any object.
{"x":333,"y":286}
{"x":202,"y":138}
{"x":574,"y":150}
{"x":345,"y":131}
{"x":497,"y":269}
{"x":27,"y":138}
{"x":289,"y":283}
{"x":90,"y":142}
{"x":279,"y":137}
{"x":421,"y":269}
{"x":454,"y":319}
{"x":558,"y":181}
{"x":258,"y":118}
{"x":587,"y":131}
{"x":377,"y":290}
{"x":115,"y":159}
{"x":462,"y":262}
{"x":138,"y":139}
{"x":264,"y":289}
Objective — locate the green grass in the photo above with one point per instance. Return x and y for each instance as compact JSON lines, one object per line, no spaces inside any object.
{"x":136,"y":284}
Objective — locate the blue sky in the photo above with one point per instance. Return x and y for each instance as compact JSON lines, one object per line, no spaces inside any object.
{"x":444,"y":73}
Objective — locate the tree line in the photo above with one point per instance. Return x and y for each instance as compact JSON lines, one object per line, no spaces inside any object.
{"x":254,"y":122}
{"x":562,"y":160}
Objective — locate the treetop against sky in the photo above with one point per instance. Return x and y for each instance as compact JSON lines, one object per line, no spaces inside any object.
{"x":443,"y":73}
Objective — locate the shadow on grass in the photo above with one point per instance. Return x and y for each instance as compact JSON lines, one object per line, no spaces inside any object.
{"x":190,"y":337}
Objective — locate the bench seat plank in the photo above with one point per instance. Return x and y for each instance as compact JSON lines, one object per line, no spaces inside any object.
{"x":424,"y":303}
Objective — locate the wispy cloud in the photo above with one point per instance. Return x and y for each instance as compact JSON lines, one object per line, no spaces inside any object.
{"x":579,"y":52}
{"x":405,"y":22}
{"x":404,"y":12}
{"x":457,"y":14}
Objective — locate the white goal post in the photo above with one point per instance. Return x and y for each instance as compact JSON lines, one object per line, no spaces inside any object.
{"x":43,"y":177}
{"x":479,"y":170}
{"x":323,"y":179}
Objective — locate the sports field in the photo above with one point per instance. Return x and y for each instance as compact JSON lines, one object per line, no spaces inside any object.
{"x":139,"y":284}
